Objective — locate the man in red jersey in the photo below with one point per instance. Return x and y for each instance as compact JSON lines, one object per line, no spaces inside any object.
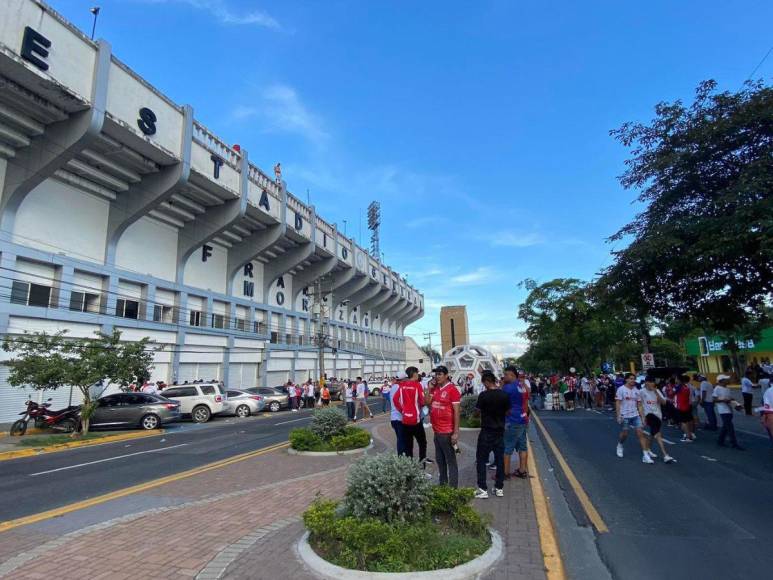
{"x":444,"y":416}
{"x":408,"y":400}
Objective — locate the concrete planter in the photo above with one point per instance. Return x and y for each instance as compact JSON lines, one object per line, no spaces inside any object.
{"x":473,"y":569}
{"x":292,"y":451}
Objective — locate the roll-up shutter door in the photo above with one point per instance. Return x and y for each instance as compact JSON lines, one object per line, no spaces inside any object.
{"x":187,"y":372}
{"x":209,"y":371}
{"x":13,"y":399}
{"x":276,"y":378}
{"x":242,"y":375}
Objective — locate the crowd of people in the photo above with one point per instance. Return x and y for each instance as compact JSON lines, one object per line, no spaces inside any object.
{"x":503,"y":407}
{"x":655,"y":401}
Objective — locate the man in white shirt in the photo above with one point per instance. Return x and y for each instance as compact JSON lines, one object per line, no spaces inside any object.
{"x":724,"y":404}
{"x":746,"y":391}
{"x":630,"y":415}
{"x":707,"y":402}
{"x":362,"y":399}
{"x":349,"y":399}
{"x":767,"y":406}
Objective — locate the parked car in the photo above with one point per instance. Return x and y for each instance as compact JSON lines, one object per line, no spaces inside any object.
{"x":243,"y":404}
{"x":336,"y":391}
{"x":199,"y":400}
{"x":134,"y":410}
{"x":276,"y":398}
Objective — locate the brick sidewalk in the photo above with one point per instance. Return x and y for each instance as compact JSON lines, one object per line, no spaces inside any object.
{"x":240,"y":521}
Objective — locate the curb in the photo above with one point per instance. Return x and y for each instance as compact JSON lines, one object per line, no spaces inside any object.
{"x":469,"y":428}
{"x":473,"y":569}
{"x":7,"y":455}
{"x":291,"y":451}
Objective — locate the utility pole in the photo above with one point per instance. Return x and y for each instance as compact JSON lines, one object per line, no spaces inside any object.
{"x":319,"y":312}
{"x":428,"y":337}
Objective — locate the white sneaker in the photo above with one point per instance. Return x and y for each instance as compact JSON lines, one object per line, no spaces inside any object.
{"x":481,"y":494}
{"x":428,"y":475}
{"x":619,"y":450}
{"x":651,"y":454}
{"x":693,"y":437}
{"x":669,"y":459}
{"x":499,"y":492}
{"x":685,"y":440}
{"x":646,"y":458}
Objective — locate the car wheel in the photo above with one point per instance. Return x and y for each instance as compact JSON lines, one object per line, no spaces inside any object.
{"x":201,"y":414}
{"x":68,"y":425}
{"x":150,"y":422}
{"x":274,"y":406}
{"x":375,"y":392}
{"x":242,"y":411}
{"x":19,"y":428}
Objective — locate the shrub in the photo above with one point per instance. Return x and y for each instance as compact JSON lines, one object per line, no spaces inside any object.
{"x":305,"y":440}
{"x":408,"y":491}
{"x":467,"y":406}
{"x":328,"y":422}
{"x":444,"y":499}
{"x":352,"y":438}
{"x":377,"y":546}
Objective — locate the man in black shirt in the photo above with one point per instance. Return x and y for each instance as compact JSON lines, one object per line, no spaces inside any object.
{"x":493,"y":404}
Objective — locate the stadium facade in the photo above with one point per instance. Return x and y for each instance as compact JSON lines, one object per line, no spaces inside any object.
{"x":121,"y":210}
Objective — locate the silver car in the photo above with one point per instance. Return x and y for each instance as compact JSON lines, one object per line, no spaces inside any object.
{"x":243,"y":404}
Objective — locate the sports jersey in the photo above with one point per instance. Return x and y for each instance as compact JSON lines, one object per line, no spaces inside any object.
{"x":409,"y":400}
{"x":629,"y":402}
{"x":441,"y":413}
{"x":682,"y":400}
{"x":519,"y":403}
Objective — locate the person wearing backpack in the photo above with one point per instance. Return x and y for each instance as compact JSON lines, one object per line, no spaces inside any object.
{"x":408,"y":401}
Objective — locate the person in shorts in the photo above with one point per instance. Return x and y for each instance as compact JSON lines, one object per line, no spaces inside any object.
{"x":516,"y":423}
{"x":651,"y":400}
{"x":683,"y":403}
{"x":630,"y":415}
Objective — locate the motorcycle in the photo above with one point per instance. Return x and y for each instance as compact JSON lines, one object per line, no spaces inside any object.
{"x":65,"y":420}
{"x":35,"y":411}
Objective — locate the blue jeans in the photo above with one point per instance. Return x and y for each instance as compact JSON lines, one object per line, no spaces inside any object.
{"x":350,"y":409}
{"x":728,"y":430}
{"x":398,"y":427}
{"x":385,"y":405}
{"x":711,"y":416}
{"x":515,"y":437}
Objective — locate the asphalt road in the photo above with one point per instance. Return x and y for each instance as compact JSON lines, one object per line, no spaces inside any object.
{"x":31,"y":485}
{"x":708,"y":516}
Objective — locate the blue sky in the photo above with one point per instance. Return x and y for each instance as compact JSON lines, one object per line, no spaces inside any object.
{"x":481,"y":127}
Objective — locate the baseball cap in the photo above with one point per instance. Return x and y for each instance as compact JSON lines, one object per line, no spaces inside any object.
{"x":440,"y":369}
{"x":723,"y":377}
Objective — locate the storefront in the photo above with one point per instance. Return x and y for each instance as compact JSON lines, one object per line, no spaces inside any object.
{"x":714,"y":356}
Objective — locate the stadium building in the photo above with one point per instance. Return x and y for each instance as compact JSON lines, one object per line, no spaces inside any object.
{"x":122,"y":210}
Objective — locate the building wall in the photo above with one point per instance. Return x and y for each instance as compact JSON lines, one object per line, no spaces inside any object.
{"x":453,"y":327}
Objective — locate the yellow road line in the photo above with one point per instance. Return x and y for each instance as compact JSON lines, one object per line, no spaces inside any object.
{"x":593,"y":515}
{"x":7,"y":455}
{"x":60,"y":511}
{"x":551,"y":554}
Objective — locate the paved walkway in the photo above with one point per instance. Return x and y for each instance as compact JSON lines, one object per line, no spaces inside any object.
{"x":239,"y":521}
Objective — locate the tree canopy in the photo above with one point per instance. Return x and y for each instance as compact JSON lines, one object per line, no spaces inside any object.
{"x":702,"y":247}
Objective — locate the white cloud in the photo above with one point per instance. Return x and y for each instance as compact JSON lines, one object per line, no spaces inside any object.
{"x":221,"y":11}
{"x":515,"y":239}
{"x":285,"y":112}
{"x":503,"y":347}
{"x":481,"y":274}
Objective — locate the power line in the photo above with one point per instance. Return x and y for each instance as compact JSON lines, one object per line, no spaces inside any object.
{"x":756,"y":68}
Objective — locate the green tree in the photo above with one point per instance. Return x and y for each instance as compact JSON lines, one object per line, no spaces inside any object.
{"x":45,"y":361}
{"x":702,"y":247}
{"x":567,"y":326}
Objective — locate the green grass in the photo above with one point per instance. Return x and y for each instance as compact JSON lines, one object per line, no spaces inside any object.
{"x":46,"y":440}
{"x":470,"y":422}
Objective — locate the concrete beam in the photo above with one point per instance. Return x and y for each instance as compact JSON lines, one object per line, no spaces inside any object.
{"x":213,"y":222}
{"x":314,"y":272}
{"x":382,"y":296}
{"x":351,"y":287}
{"x":280,"y":265}
{"x":359,"y":298}
{"x":58,"y":145}
{"x":388,"y":305}
{"x":154,"y":189}
{"x":413,"y":315}
{"x":388,"y":313}
{"x":342,"y":277}
{"x":257,"y":243}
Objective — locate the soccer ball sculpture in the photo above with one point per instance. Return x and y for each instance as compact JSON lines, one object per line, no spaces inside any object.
{"x":467,"y":362}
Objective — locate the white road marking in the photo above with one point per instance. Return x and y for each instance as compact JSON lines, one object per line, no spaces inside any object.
{"x":667,"y":441}
{"x":750,"y":433}
{"x":293,"y":421}
{"x":708,"y":458}
{"x":104,"y":460}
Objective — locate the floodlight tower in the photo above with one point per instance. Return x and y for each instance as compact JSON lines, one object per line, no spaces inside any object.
{"x":374,"y":221}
